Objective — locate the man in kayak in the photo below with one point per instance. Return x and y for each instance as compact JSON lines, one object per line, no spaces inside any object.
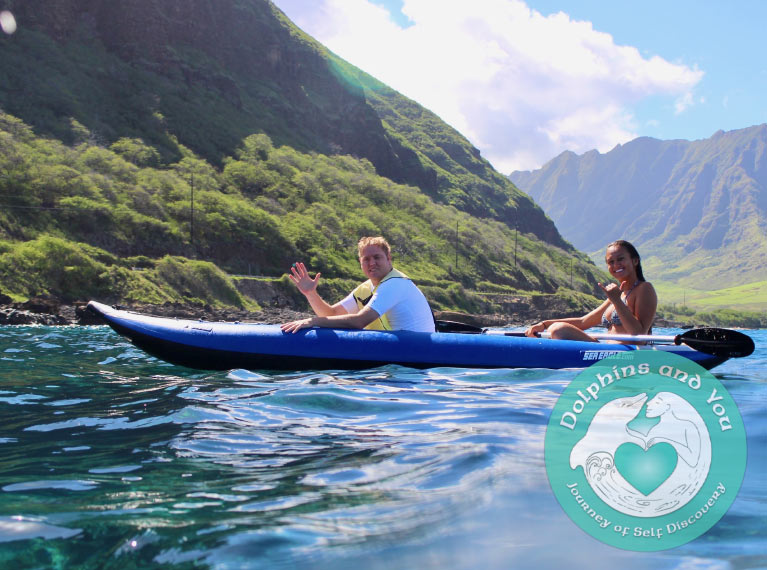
{"x":388,"y":300}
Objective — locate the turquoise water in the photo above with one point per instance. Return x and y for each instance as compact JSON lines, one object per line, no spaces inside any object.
{"x":112,"y":459}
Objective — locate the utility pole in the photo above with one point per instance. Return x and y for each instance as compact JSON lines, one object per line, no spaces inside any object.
{"x":571,"y":273}
{"x":515,"y":244}
{"x":456,"y":245}
{"x":191,"y":212}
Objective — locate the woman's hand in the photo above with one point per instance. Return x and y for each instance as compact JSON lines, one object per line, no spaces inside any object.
{"x":300,"y":276}
{"x":613,"y":292}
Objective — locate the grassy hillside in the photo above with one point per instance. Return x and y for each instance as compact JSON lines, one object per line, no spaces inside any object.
{"x":115,"y":222}
{"x":144,"y":135}
{"x":751,"y":297}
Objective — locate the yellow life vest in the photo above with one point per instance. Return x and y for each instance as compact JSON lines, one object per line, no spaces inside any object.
{"x":364,"y":292}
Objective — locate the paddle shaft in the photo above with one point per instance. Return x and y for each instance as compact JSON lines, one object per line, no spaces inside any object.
{"x":633,"y":338}
{"x":648,"y":338}
{"x":603,"y":336}
{"x":722,"y":342}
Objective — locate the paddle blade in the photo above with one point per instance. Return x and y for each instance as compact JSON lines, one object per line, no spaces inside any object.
{"x":456,"y":327}
{"x":719,"y":342}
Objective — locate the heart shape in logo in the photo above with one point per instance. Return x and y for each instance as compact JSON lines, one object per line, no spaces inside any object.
{"x":646,"y":470}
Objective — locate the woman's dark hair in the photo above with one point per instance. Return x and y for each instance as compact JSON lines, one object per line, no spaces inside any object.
{"x":633,"y":253}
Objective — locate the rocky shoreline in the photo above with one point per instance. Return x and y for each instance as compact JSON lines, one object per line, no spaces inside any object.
{"x":35,"y":313}
{"x":51,"y":312}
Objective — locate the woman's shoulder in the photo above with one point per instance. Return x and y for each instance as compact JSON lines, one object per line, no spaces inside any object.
{"x":645,"y":288}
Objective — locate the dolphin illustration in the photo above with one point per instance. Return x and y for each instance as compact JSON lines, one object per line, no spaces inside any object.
{"x":679,"y":425}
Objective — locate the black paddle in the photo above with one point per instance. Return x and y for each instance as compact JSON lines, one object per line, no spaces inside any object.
{"x":710,"y":340}
{"x":456,"y":327}
{"x":719,"y":342}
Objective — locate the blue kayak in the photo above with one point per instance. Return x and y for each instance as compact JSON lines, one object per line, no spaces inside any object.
{"x":224,"y":346}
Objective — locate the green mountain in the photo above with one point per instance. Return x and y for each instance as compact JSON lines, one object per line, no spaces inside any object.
{"x":207,"y":73}
{"x":696,"y":210}
{"x":145,"y":144}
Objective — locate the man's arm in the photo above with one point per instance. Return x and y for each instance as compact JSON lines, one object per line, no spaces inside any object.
{"x":357,"y":320}
{"x":308,"y":286}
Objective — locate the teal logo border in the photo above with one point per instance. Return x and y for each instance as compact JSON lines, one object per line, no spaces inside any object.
{"x":630,"y":409}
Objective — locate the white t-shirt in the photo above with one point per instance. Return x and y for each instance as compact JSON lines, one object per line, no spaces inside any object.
{"x":402,"y":302}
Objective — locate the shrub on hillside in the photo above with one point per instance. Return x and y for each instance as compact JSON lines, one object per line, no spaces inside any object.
{"x":51,"y":265}
{"x":199,"y":282}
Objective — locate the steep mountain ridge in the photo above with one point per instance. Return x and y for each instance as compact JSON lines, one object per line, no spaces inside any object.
{"x":698,"y":207}
{"x":207,"y":73}
{"x":205,"y":44}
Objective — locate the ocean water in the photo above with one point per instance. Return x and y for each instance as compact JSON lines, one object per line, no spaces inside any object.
{"x":110,"y":458}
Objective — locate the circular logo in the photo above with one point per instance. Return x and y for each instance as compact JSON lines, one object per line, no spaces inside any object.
{"x":645,"y":450}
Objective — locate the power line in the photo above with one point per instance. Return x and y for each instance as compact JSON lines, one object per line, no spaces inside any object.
{"x":13,"y":206}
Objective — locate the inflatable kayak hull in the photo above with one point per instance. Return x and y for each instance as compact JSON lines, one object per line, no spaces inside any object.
{"x":225,"y":346}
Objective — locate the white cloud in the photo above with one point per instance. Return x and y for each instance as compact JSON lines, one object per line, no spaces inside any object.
{"x":683,"y":103}
{"x":522,"y":87}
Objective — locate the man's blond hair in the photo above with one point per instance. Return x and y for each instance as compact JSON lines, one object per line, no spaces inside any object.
{"x":377,"y":240}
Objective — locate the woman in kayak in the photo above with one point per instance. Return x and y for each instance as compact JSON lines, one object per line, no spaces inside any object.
{"x":629,"y":308}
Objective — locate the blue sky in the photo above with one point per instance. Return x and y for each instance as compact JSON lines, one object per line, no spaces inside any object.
{"x":526,"y":80}
{"x":723,"y":39}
